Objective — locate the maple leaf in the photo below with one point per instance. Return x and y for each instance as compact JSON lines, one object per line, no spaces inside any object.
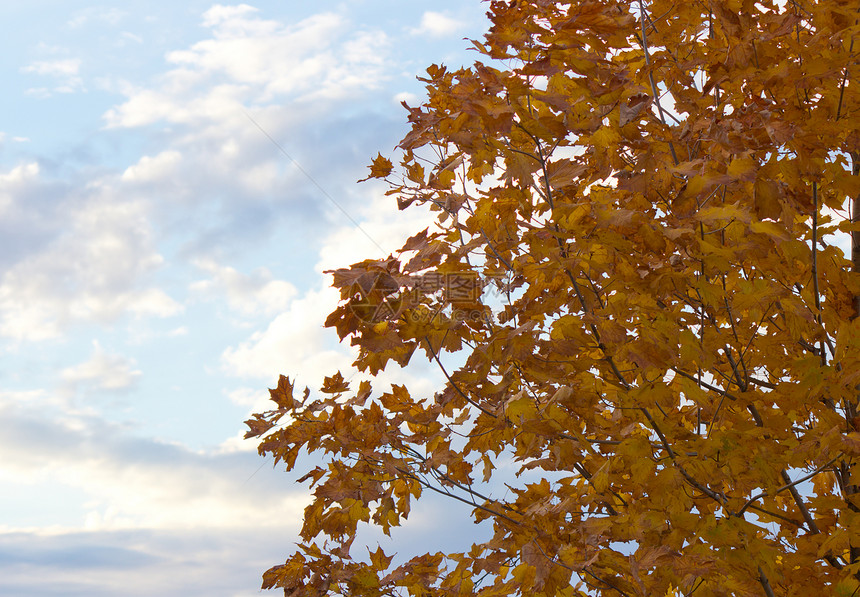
{"x":381,"y":167}
{"x":657,"y":192}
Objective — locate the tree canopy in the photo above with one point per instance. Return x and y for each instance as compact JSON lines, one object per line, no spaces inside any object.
{"x":636,"y":261}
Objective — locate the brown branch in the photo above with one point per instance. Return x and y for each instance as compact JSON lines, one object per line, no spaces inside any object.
{"x":762,"y":383}
{"x":810,"y":522}
{"x":714,"y":417}
{"x":742,"y":383}
{"x":788,"y":485}
{"x":570,"y":276}
{"x":542,"y":161}
{"x":765,"y":583}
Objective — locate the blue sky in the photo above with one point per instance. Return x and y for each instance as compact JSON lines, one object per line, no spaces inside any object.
{"x":162,"y":264}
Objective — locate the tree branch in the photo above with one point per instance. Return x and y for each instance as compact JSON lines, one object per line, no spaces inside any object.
{"x":765,"y":583}
{"x":788,"y":485}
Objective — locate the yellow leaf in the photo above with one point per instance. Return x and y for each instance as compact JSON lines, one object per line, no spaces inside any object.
{"x":519,"y":407}
{"x":743,"y":168}
{"x":379,"y":168}
{"x":771,"y":229}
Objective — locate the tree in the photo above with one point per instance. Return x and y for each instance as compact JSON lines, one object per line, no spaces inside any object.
{"x":654,"y":190}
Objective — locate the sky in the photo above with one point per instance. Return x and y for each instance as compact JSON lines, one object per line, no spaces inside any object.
{"x":175,"y":177}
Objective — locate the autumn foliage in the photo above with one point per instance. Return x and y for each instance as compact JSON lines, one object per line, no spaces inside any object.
{"x":641,"y":205}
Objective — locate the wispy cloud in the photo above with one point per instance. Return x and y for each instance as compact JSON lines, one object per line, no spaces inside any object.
{"x":96,"y":14}
{"x":138,"y":562}
{"x":66,"y":67}
{"x":134,"y":482}
{"x":64,"y":70}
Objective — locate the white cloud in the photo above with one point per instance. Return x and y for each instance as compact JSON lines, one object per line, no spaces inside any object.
{"x":219,"y":14}
{"x":255,"y":60}
{"x":54,"y":68}
{"x":23,"y":396}
{"x":65,"y":70}
{"x":215,"y":168}
{"x":437,"y":24}
{"x":254,"y":398}
{"x":200,"y":562}
{"x":410,"y":98}
{"x":158,"y":167}
{"x":238,"y":443}
{"x":146,"y":302}
{"x":297,"y":344}
{"x":22,"y":174}
{"x":382,"y":225}
{"x":14,"y":182}
{"x":295,"y":338}
{"x":97,"y":257}
{"x":250,"y":295}
{"x":102,"y":371}
{"x":178,"y":103}
{"x":88,"y":264}
{"x":215,"y":160}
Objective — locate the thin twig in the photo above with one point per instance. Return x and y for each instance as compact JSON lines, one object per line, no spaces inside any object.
{"x":815,"y":287}
{"x":844,"y":81}
{"x":453,"y":383}
{"x":644,"y":42}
